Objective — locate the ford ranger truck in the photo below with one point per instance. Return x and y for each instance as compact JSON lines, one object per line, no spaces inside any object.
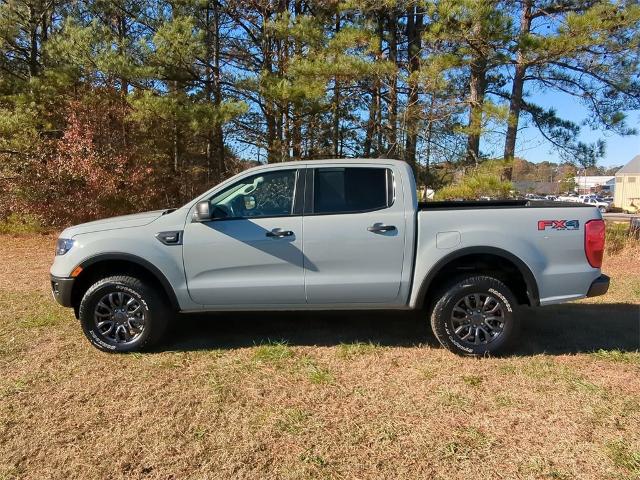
{"x":329,"y":235}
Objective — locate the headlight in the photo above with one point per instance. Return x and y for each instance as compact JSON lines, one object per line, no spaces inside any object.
{"x":63,"y":245}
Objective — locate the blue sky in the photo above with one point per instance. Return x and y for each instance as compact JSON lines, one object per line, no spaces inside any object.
{"x":619,"y":150}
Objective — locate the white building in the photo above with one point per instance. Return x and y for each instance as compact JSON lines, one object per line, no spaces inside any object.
{"x":628,"y":185}
{"x":595,"y":183}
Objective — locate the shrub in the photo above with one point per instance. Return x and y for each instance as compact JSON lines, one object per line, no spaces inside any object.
{"x":487,"y":179}
{"x":619,"y":237}
{"x":20,"y":224}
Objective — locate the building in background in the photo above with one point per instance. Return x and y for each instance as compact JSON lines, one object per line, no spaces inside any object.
{"x":603,"y":184}
{"x":628,"y":185}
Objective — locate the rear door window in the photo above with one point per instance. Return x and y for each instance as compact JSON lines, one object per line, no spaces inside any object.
{"x":351,"y":190}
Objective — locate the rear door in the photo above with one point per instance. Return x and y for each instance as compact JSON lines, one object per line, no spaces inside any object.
{"x":354,"y":235}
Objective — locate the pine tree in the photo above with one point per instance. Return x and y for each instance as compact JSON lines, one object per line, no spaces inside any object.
{"x":591,"y":54}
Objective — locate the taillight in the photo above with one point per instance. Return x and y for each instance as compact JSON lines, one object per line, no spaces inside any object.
{"x":594,"y":242}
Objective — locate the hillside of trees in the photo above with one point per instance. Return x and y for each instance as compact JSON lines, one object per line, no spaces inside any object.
{"x":108,"y":106}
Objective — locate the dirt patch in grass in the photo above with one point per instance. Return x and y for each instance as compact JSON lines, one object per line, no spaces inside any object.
{"x":26,"y":261}
{"x":346,"y":395}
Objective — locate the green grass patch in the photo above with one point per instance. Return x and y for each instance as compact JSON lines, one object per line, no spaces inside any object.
{"x":272,"y":352}
{"x":10,"y":472}
{"x":313,"y":459}
{"x":44,"y":313}
{"x":200,"y":432}
{"x":292,"y":420}
{"x":539,"y":369}
{"x":504,"y":400}
{"x":618,"y":356}
{"x":544,"y":369}
{"x":624,"y":457}
{"x":318,"y":374}
{"x":466,"y":443}
{"x":544,"y":468}
{"x":13,"y":388}
{"x":472,"y":380}
{"x":357,"y":349}
{"x":450,"y":398}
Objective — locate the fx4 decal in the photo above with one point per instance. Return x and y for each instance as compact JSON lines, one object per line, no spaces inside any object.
{"x":558,"y":224}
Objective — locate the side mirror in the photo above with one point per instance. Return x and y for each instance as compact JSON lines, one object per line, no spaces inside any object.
{"x":202,"y":212}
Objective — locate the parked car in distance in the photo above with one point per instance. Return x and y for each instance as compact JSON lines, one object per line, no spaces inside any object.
{"x":329,"y":235}
{"x":569,"y":198}
{"x":533,"y":196}
{"x":600,"y":205}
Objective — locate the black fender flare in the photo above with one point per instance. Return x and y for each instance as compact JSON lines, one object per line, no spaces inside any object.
{"x":530,"y":280}
{"x":147,"y":265}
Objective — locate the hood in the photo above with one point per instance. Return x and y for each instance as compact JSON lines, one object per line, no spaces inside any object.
{"x":123,"y":221}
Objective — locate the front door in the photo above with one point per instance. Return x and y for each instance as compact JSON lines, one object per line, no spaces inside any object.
{"x":354,"y":236}
{"x":251,"y":252}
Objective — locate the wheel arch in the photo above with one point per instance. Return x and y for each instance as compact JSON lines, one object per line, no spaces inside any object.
{"x":518,"y":276}
{"x":106,"y":264}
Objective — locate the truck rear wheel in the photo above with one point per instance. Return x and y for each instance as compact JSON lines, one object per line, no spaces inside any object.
{"x":122,"y":314}
{"x":475,"y":316}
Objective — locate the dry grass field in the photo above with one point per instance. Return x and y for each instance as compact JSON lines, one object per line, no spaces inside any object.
{"x":345,"y":396}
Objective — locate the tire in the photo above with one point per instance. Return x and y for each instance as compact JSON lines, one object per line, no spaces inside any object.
{"x":602,"y":209}
{"x":491,"y":331}
{"x":132,"y":308}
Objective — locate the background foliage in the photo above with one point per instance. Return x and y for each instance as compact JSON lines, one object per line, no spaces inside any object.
{"x":108,"y":106}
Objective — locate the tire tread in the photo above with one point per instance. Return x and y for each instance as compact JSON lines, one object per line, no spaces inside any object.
{"x":443,"y":297}
{"x":159,"y":309}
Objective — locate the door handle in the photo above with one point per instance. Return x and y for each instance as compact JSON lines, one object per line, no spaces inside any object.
{"x":380,"y":228}
{"x":278,"y":233}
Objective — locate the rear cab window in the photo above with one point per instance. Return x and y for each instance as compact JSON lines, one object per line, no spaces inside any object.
{"x":350,"y":190}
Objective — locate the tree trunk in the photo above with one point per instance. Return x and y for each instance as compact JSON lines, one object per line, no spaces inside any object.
{"x":477,"y":85}
{"x":414,"y":31}
{"x":269,"y":108}
{"x":371,"y":123}
{"x":392,"y":139}
{"x":427,"y":160}
{"x":175,"y":133}
{"x":122,"y":35}
{"x":296,"y":128}
{"x":378,"y":89}
{"x":517,"y":89}
{"x":33,"y":42}
{"x":284,"y":105}
{"x":336,"y":104}
{"x":218,"y":135}
{"x":373,"y":140}
{"x":272,"y":147}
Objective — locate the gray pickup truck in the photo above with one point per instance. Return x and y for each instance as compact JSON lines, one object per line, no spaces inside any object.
{"x":330,"y":235}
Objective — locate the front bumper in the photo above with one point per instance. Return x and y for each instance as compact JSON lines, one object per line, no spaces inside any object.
{"x":61,"y":289}
{"x":599,"y":286}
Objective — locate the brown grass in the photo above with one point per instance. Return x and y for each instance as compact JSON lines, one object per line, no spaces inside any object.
{"x":316,"y":396}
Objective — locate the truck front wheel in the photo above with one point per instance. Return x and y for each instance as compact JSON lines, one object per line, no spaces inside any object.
{"x":123,"y":314}
{"x":475,"y":316}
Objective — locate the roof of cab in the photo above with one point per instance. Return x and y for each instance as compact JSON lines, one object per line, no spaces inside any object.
{"x":298,"y":163}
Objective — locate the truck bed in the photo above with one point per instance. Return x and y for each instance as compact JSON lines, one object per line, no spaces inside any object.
{"x":555,"y":255}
